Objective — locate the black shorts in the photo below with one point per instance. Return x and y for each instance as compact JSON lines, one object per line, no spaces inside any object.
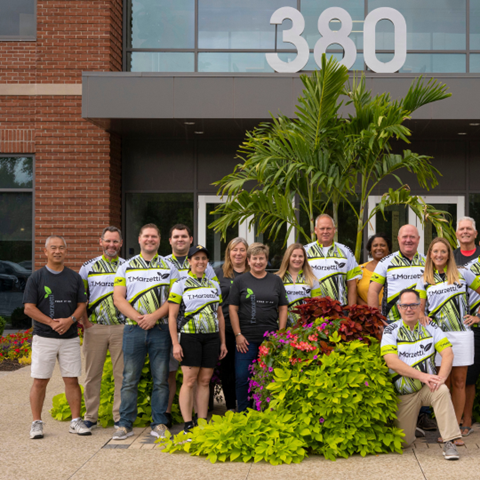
{"x":200,"y":349}
{"x":474,"y":370}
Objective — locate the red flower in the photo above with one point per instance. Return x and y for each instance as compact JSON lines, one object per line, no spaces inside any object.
{"x":17,"y":350}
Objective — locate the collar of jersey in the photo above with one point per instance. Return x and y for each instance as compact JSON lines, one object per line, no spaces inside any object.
{"x":110,"y":261}
{"x":184,"y":260}
{"x":190,"y":274}
{"x":155,"y":256}
{"x":415,"y":328}
{"x":406,"y":258}
{"x":444,"y":268}
{"x":321,"y":245}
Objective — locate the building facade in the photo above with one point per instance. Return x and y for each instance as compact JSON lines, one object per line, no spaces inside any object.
{"x":126,"y":112}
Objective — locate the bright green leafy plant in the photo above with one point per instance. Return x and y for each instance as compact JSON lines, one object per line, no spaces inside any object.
{"x":320,"y":387}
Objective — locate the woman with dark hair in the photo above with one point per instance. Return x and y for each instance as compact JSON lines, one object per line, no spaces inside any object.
{"x":378,"y":247}
{"x":298,"y":278}
{"x":235,"y":265}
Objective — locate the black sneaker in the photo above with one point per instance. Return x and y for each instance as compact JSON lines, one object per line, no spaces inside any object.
{"x":426,"y":422}
{"x":90,"y":424}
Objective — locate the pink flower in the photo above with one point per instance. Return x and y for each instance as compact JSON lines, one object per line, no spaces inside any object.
{"x":366,"y":383}
{"x":321,"y":420}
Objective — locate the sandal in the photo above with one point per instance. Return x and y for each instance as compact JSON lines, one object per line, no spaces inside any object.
{"x":458,"y":442}
{"x":467,"y":430}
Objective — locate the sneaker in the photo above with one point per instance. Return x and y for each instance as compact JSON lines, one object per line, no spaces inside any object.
{"x":158,"y":431}
{"x":90,"y":424}
{"x":116,"y":425}
{"x":122,"y":433}
{"x":36,"y":430}
{"x":450,"y":451}
{"x":419,"y":432}
{"x":186,"y":431}
{"x":79,"y":427}
{"x":170,"y":419}
{"x":426,"y":422}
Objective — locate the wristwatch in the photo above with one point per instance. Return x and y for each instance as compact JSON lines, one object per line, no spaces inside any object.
{"x":73,"y":318}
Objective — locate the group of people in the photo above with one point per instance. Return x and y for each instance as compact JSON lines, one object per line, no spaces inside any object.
{"x":178,"y":309}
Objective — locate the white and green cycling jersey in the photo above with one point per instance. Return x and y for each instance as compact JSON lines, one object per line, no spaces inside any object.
{"x":199,"y":300}
{"x":416,"y":348}
{"x":183,"y":267}
{"x":148,"y":284}
{"x":333,"y":266}
{"x":297,"y":293}
{"x":396,"y":272}
{"x":473,"y":296}
{"x":98,"y":276}
{"x":447,"y":303}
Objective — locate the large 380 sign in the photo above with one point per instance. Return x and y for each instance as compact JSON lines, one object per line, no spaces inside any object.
{"x":340,"y":37}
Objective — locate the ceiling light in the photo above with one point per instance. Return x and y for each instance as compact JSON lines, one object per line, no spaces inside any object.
{"x":462,"y":133}
{"x":474,"y":124}
{"x":198,"y":133}
{"x":189,"y":123}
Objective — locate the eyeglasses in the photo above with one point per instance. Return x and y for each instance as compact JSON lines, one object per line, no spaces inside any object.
{"x":406,"y":306}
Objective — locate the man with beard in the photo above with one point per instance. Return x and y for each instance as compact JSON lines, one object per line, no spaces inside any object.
{"x":104,"y":325}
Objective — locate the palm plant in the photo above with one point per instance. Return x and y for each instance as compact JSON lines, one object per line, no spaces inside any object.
{"x":320,"y":158}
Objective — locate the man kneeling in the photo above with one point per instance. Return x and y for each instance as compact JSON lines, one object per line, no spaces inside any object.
{"x":409,"y":351}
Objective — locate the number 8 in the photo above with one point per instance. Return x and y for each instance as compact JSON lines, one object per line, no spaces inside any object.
{"x":340,"y":37}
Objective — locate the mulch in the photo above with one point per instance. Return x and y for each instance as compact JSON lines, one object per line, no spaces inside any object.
{"x":10,"y":365}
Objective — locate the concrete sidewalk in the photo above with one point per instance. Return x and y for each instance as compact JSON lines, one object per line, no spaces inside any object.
{"x":63,"y":456}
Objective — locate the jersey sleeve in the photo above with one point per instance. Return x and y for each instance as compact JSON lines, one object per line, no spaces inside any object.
{"x":219,"y":290}
{"x":353,"y":270}
{"x":210,"y":273}
{"x":389,"y":340}
{"x":471,"y":279}
{"x":440,"y":340}
{"x":316,"y":290}
{"x":379,"y":275}
{"x":176,"y":293}
{"x":282,"y":293}
{"x":420,"y":288}
{"x":174,"y":275}
{"x":84,"y":274}
{"x":120,"y":277}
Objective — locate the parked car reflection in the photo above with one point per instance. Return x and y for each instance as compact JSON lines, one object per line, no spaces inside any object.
{"x":14,"y":269}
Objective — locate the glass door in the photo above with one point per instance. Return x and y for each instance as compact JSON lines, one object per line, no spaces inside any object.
{"x":212,"y":241}
{"x":398,"y":215}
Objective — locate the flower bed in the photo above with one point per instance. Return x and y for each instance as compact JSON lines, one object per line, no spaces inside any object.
{"x":16,"y":347}
{"x":320,"y":387}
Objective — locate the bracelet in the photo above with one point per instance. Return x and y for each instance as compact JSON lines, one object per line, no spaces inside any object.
{"x":238,"y":334}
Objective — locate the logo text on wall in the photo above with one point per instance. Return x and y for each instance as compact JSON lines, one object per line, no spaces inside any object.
{"x":340,"y":37}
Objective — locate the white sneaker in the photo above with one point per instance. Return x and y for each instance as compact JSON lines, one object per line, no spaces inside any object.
{"x":159,"y":431}
{"x":78,"y":427}
{"x":122,"y":433}
{"x":36,"y":430}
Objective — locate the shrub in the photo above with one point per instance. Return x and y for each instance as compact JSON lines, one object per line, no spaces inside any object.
{"x":16,"y":346}
{"x":323,"y":388}
{"x":3,"y":322}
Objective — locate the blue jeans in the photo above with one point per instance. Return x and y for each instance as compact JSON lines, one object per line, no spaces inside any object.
{"x":136,"y":344}
{"x":242,"y":374}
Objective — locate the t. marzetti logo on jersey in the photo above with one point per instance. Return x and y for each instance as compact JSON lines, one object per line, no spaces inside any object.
{"x":204,"y":295}
{"x":423,"y":350}
{"x":453,"y":288}
{"x":404,"y":276}
{"x":101,"y":284}
{"x":324,"y":267}
{"x":149,"y":279}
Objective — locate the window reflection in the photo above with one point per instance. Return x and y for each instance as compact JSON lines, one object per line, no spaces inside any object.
{"x":162,"y":24}
{"x":475,"y":25}
{"x":226,"y":24}
{"x":16,"y":172}
{"x":474,"y":63}
{"x":17,"y":19}
{"x":430,"y":62}
{"x":431,"y":24}
{"x":161,"y":62}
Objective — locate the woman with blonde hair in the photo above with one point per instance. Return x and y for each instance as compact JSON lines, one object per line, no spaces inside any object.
{"x":235,"y":265}
{"x":443,"y":293}
{"x":298,"y":278}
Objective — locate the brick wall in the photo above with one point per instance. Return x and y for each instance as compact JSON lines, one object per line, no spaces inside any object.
{"x":77,"y":164}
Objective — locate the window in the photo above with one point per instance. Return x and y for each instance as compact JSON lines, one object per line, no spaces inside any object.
{"x":18,"y":20}
{"x":16,"y":234}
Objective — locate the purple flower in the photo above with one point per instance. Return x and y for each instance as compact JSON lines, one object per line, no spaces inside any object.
{"x":321,"y":420}
{"x":315,"y":357}
{"x":268,"y":399}
{"x":270,"y":369}
{"x":366,"y":383}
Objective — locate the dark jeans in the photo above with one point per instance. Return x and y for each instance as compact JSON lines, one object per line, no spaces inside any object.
{"x":242,"y":362}
{"x":227,"y":371}
{"x":136,"y":344}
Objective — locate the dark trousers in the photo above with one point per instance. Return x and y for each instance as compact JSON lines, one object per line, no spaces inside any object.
{"x":227,"y":372}
{"x":242,"y":362}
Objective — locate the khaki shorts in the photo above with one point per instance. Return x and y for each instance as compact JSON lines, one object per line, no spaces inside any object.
{"x":45,"y":352}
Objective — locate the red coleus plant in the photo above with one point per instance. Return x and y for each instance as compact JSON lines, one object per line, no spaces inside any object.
{"x":356,"y":322}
